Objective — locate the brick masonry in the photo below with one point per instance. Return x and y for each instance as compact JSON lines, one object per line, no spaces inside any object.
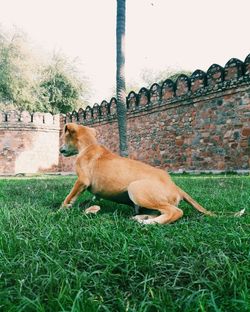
{"x":201,"y":122}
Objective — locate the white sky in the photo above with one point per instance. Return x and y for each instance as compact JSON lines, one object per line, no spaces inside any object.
{"x":182,"y":34}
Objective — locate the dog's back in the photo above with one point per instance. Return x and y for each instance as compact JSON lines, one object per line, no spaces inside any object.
{"x":110,"y":174}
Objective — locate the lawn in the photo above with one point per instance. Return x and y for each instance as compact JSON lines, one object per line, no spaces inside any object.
{"x":70,"y":261}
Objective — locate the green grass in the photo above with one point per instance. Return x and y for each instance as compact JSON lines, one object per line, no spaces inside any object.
{"x":69,"y":261}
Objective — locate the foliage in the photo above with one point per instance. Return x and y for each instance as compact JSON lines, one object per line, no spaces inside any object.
{"x":17,"y":71}
{"x":62,"y":87}
{"x":28,"y":83}
{"x":70,"y":261}
{"x":149,"y":76}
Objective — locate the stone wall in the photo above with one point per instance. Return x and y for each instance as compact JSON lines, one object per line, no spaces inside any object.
{"x":201,"y":122}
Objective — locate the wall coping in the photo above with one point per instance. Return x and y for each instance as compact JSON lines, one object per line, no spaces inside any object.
{"x":217,"y":79}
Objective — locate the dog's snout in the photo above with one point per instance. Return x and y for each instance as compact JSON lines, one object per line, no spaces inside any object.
{"x":62,"y":149}
{"x":67,"y":150}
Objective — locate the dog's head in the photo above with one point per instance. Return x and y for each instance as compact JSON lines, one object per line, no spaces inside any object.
{"x":76,"y":138}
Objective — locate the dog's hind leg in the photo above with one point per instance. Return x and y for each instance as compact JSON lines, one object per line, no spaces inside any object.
{"x":169,"y":213}
{"x":153,"y":195}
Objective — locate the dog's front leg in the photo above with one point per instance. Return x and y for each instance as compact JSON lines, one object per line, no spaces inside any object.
{"x":79,"y":187}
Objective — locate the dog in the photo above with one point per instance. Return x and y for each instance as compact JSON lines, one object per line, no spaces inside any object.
{"x":120,"y":179}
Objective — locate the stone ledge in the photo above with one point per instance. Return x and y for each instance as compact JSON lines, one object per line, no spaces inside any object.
{"x":37,"y":175}
{"x":180,"y":171}
{"x":24,"y":127}
{"x":197,"y":172}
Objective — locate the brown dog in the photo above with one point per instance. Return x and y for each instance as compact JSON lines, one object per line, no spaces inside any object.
{"x":120,"y":179}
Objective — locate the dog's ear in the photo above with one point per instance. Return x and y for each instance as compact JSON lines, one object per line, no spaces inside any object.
{"x":69,"y":128}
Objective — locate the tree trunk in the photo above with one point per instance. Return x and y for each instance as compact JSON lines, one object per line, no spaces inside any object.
{"x":120,"y":76}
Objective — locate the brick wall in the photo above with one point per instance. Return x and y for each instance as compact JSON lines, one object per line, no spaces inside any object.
{"x":201,"y":122}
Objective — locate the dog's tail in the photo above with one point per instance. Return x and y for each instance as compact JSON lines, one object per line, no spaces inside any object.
{"x":194,"y":203}
{"x":197,"y":206}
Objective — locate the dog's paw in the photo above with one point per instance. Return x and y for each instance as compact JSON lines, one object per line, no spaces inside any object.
{"x":148,"y":221}
{"x":65,"y":206}
{"x":92,"y":209}
{"x":137,"y":218}
{"x":211,"y":214}
{"x":145,"y":219}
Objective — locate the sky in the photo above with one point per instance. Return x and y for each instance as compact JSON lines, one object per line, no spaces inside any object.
{"x":160,"y":34}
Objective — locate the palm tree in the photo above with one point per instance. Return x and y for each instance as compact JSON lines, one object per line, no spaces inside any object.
{"x":120,"y":76}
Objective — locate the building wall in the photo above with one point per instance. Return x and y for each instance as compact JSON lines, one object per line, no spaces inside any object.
{"x":28,"y":144}
{"x":201,"y":122}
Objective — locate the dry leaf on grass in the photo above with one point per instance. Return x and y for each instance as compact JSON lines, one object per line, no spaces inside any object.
{"x":92,"y":209}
